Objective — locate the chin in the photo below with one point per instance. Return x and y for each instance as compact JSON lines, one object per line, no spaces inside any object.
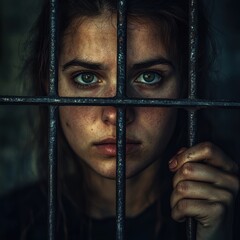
{"x":131,"y":171}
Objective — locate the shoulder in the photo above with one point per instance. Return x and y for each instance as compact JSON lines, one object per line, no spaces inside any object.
{"x":22,"y":209}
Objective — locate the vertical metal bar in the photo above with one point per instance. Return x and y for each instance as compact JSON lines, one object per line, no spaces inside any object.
{"x":192,"y":118}
{"x":121,"y":48}
{"x":53,"y":116}
{"x":121,"y":120}
{"x":52,"y":167}
{"x":53,"y":61}
{"x":193,"y":48}
{"x":121,"y":176}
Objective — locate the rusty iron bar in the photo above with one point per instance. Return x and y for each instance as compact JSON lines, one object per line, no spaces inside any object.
{"x":121,"y":174}
{"x":192,"y":93}
{"x":66,"y":101}
{"x":53,"y":54}
{"x":121,"y":119}
{"x":53,"y":116}
{"x":52,"y":172}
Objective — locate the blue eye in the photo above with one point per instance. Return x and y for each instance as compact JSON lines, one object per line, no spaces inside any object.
{"x":149,"y":78}
{"x":85,"y":79}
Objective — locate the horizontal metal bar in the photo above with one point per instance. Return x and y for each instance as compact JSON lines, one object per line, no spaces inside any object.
{"x":58,"y":101}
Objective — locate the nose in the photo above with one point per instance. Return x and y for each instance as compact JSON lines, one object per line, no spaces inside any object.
{"x":109,"y":115}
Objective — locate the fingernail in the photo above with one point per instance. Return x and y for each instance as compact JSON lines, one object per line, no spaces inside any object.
{"x":173,"y":163}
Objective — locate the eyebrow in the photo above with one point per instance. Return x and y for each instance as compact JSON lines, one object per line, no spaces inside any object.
{"x":83,"y":63}
{"x":98,"y":66}
{"x":152,"y":62}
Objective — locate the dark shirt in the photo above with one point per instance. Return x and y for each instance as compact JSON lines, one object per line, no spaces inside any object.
{"x":23,"y":216}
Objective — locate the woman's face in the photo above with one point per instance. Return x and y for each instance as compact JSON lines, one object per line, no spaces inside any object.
{"x":87,"y":68}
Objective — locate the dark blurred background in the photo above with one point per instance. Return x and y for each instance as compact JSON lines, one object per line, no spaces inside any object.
{"x":16,"y":18}
{"x":220,"y":126}
{"x":223,"y":126}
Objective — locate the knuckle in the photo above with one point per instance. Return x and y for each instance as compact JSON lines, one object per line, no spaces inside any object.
{"x":182,"y":205}
{"x":208,"y":148}
{"x":179,"y":212}
{"x":187,"y":169}
{"x":182,"y":187}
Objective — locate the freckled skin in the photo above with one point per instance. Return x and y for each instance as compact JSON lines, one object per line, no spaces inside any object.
{"x":95,"y":39}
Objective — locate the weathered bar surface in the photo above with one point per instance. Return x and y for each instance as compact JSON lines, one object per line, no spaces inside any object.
{"x":120,"y":174}
{"x":53,"y":54}
{"x":121,"y":119}
{"x":52,"y":167}
{"x":64,"y":101}
{"x":192,"y":93}
{"x":52,"y":147}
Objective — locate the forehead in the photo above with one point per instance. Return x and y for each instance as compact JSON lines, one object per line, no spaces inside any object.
{"x":96,"y":37}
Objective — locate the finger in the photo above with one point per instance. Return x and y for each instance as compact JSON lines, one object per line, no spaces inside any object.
{"x":206,"y":173}
{"x":200,"y":190}
{"x":205,"y":152}
{"x":204,"y":212}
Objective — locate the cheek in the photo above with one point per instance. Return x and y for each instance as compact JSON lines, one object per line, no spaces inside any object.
{"x":159,"y":121}
{"x":69,"y":116}
{"x":75,"y":120}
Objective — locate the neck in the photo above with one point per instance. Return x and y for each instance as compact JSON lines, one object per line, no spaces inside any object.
{"x":141,"y":191}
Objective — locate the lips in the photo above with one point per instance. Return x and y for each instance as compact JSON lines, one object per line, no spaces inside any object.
{"x":108,"y":146}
